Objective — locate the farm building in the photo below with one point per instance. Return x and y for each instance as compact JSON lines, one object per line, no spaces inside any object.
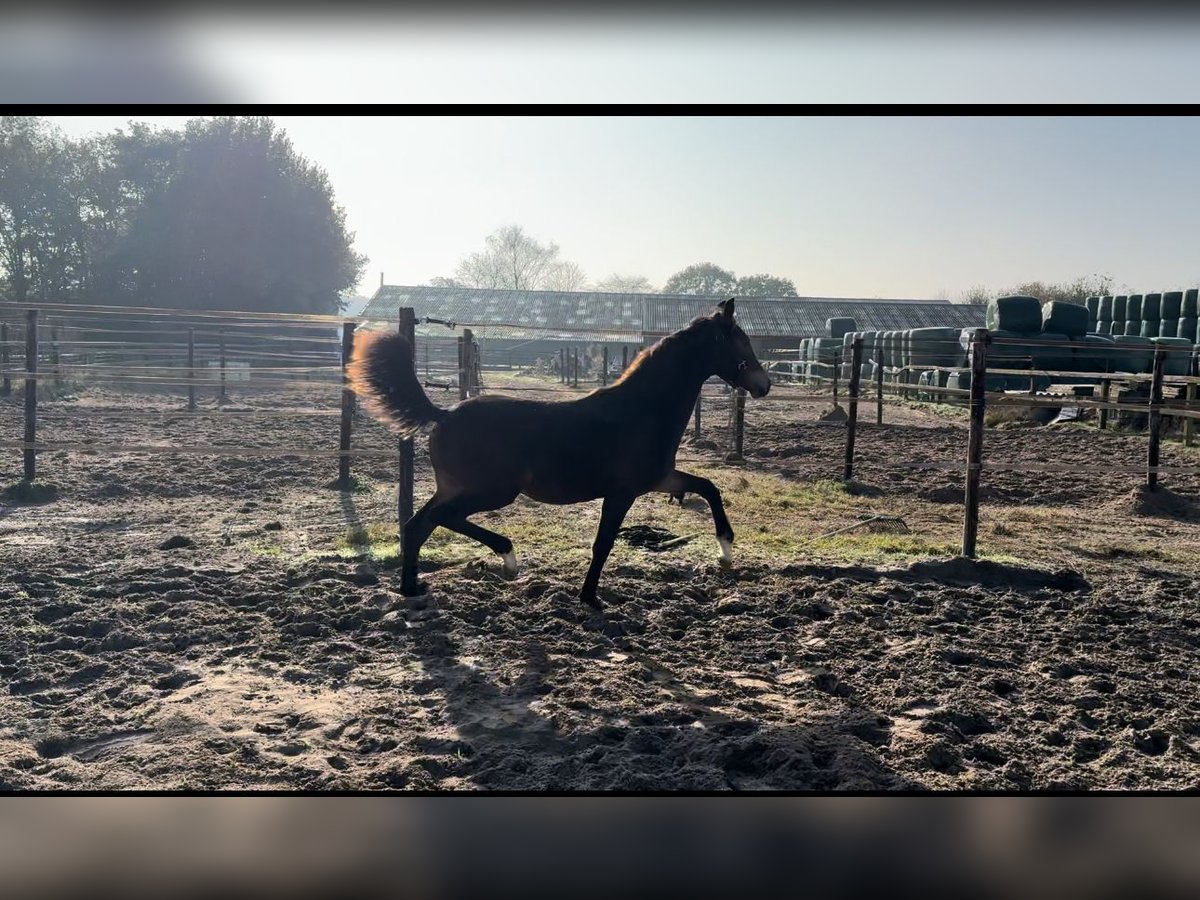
{"x":517,"y":327}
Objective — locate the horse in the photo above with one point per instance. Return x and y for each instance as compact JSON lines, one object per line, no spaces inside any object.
{"x":489,"y":449}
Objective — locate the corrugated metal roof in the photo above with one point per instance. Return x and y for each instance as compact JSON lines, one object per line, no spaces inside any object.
{"x":496,"y":313}
{"x":616,"y":317}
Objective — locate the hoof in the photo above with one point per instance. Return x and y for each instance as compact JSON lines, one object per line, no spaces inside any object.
{"x":590,"y":598}
{"x":416,"y":588}
{"x":510,"y":564}
{"x":726,"y":552}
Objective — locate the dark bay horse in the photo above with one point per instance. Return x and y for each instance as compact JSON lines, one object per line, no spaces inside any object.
{"x":615,"y":443}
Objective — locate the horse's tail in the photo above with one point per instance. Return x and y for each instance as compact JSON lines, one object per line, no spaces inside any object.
{"x":381,"y":373}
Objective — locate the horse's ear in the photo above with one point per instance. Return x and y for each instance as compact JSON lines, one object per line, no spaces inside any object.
{"x":725,"y":311}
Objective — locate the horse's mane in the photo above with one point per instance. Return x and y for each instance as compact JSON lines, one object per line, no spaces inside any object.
{"x":656,"y":350}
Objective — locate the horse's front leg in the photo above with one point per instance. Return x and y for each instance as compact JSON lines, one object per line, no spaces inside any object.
{"x":611,"y":516}
{"x":684,"y":482}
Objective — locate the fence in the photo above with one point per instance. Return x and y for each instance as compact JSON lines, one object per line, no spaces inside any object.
{"x":196,"y":354}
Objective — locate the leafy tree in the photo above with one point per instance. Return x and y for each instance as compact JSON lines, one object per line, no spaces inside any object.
{"x":625,"y":284}
{"x":765,"y":286}
{"x":243,"y":223}
{"x":41,"y":233}
{"x":1075,"y":291}
{"x":979,"y":295}
{"x":702,"y":278}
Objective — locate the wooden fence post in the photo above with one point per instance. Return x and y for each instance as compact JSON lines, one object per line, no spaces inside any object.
{"x":852,"y":415}
{"x":191,"y":366}
{"x":6,"y":383}
{"x":468,"y":365}
{"x":624,"y":358}
{"x":575,"y":355}
{"x":1155,"y":422}
{"x":1105,"y":393}
{"x":347,"y":409}
{"x":1189,"y":424}
{"x":604,"y":362}
{"x":462,"y":367}
{"x":837,"y":364}
{"x":975,"y":442}
{"x":878,"y":384}
{"x":408,"y":327}
{"x":562,"y":365}
{"x":31,"y":361}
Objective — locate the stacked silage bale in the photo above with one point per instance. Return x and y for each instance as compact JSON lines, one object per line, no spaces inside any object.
{"x":1151,"y":315}
{"x":1120,"y":305}
{"x":930,"y":351}
{"x":1133,"y":315}
{"x":1188,"y":316}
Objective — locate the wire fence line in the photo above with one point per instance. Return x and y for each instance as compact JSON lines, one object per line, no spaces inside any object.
{"x":861,"y":371}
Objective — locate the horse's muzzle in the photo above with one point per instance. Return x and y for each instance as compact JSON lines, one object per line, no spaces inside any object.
{"x":758,"y":384}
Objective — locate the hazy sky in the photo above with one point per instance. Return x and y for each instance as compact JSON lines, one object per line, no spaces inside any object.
{"x":844,"y":206}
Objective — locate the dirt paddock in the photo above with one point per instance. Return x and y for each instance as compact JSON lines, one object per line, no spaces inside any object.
{"x":172,"y":621}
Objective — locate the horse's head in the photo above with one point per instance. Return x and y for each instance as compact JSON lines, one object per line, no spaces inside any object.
{"x":735,"y":359}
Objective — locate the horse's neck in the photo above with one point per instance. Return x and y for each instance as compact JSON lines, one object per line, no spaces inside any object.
{"x":667,"y":383}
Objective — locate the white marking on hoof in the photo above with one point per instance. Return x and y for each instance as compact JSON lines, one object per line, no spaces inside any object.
{"x":726,"y":551}
{"x":510,"y":564}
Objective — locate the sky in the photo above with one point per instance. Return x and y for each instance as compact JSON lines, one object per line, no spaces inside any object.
{"x":844,"y":206}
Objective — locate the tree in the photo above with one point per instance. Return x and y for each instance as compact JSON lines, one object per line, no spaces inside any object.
{"x":41,"y":233}
{"x":765,"y":286}
{"x":439,"y":281}
{"x":512,"y":260}
{"x":1075,"y":291}
{"x":563,"y":276}
{"x":979,"y":295}
{"x":243,"y":222}
{"x":625,"y":284}
{"x":702,"y":278}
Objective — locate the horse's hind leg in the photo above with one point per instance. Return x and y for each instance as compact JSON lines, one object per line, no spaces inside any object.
{"x":611,"y":517}
{"x":415,"y":533}
{"x":497,"y":543}
{"x":453,"y":515}
{"x":679,"y":482}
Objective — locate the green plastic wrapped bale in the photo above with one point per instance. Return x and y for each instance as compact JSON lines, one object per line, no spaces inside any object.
{"x":1152,"y":307}
{"x":1102,"y":327}
{"x":1133,"y":328}
{"x":922,"y":386}
{"x":837,"y":327}
{"x":1070,"y":319}
{"x":1172,"y":305}
{"x":826,"y":350}
{"x":1179,"y":354}
{"x":1133,"y":313}
{"x":1150,"y":327}
{"x":1168,"y":328}
{"x":1011,"y":350}
{"x":1190,"y":308}
{"x":906,"y":356}
{"x":936,"y":347}
{"x":1119,"y":305}
{"x":1104,"y":307}
{"x":1092,"y":353}
{"x":1019,"y":314}
{"x":1133,"y":353}
{"x":889,"y":349}
{"x":1187,"y":329}
{"x":1117,"y":328}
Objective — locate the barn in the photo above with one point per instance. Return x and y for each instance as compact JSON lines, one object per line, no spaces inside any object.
{"x":515,"y":328}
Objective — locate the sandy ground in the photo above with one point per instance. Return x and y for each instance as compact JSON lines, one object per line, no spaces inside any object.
{"x":189,"y":621}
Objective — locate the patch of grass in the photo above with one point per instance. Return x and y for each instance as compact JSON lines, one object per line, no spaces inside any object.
{"x":28,"y":493}
{"x":360,"y":537}
{"x":882,"y":547}
{"x":356,"y":486}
